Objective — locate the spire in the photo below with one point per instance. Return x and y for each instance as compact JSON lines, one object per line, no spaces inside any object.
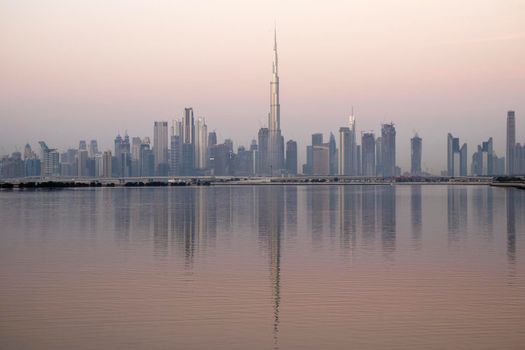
{"x":275,"y":63}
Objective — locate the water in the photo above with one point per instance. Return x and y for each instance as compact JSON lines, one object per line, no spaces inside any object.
{"x":262,"y":267}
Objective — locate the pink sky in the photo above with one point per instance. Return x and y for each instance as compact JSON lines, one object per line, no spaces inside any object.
{"x":75,"y":70}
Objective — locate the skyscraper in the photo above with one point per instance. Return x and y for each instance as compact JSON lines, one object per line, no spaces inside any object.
{"x":93,"y":148}
{"x":456,"y":157}
{"x":50,"y":161}
{"x":107,"y":164}
{"x":416,"y":149}
{"x":160,"y":147}
{"x":188,"y":142}
{"x":176,"y":148}
{"x":344,"y":151}
{"x":388,"y":149}
{"x":291,"y":157}
{"x":511,"y":142}
{"x":368,"y":151}
{"x":275,"y":139}
{"x":483,"y":159}
{"x":263,"y":166}
{"x":332,"y":149}
{"x":201,"y":144}
{"x":352,"y":154}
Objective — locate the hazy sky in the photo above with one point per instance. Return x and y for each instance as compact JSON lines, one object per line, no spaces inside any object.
{"x":73,"y":70}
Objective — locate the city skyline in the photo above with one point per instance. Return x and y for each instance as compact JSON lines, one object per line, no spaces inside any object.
{"x":432,"y":105}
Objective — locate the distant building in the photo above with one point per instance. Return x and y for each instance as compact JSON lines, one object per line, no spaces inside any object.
{"x":332,"y":150}
{"x":93,"y":148}
{"x":456,"y":157}
{"x":175,"y":152}
{"x":160,"y":147}
{"x":379,"y":156}
{"x":291,"y":157}
{"x":368,"y":154}
{"x":519,"y":159}
{"x":344,"y":151}
{"x":107,"y":162}
{"x":263,"y":167}
{"x":388,"y":149}
{"x":147,"y":159}
{"x":416,"y":149}
{"x":201,"y":144}
{"x":188,"y":142}
{"x":50,"y":165}
{"x":511,"y":142}
{"x":483,"y":159}
{"x":82,"y":163}
{"x":321,"y":160}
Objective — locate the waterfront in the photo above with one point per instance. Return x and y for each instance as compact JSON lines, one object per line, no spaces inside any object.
{"x":288,"y":267}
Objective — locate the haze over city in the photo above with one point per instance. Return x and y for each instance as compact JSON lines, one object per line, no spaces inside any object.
{"x":90,"y":70}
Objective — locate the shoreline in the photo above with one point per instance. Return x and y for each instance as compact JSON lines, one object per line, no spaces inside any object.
{"x":29,"y":183}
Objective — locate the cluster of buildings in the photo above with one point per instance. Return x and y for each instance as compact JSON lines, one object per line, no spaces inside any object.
{"x":186,"y":148}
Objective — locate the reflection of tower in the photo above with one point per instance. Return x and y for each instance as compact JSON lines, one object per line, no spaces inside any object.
{"x":368,"y":212}
{"x":271,"y":212}
{"x":347,"y":215}
{"x":417,"y":217}
{"x":183,"y":222}
{"x":482,"y":203}
{"x":456,"y":211}
{"x":388,"y":218}
{"x":160,"y":222}
{"x":511,"y":226}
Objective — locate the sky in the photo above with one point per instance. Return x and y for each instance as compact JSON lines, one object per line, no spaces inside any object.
{"x":72,"y":70}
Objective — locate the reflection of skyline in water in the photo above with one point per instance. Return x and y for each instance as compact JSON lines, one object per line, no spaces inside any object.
{"x":277,"y":231}
{"x":416,"y":216}
{"x":457,"y":211}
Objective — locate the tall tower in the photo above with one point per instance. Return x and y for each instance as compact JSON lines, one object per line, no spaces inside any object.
{"x":160,"y":147}
{"x":275,"y":140}
{"x":511,"y":142}
{"x":416,"y":147}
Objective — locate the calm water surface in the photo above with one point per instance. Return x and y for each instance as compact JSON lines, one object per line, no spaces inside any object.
{"x":263,"y":267}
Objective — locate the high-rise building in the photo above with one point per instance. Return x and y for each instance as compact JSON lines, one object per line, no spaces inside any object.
{"x":99,"y":164}
{"x":107,"y":162}
{"x":275,"y":140}
{"x":352,"y":154}
{"x":321,"y":160}
{"x":160,"y":147}
{"x":28,"y":152}
{"x":379,"y":156}
{"x":82,"y":145}
{"x":358,"y":163}
{"x":368,"y":157}
{"x":135,"y":156}
{"x":147,"y":158}
{"x":93,"y":148}
{"x":456,"y":157}
{"x":317,"y":139}
{"x":263,"y":167}
{"x":188,"y":142}
{"x":82,"y":160}
{"x":50,"y":165}
{"x":201,"y":144}
{"x":388,"y":149}
{"x":176,"y":148}
{"x":483,"y":159}
{"x":416,"y":151}
{"x":332,"y":149}
{"x":519,"y":159}
{"x":291,"y":157}
{"x":511,"y":142}
{"x":344,"y":151}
